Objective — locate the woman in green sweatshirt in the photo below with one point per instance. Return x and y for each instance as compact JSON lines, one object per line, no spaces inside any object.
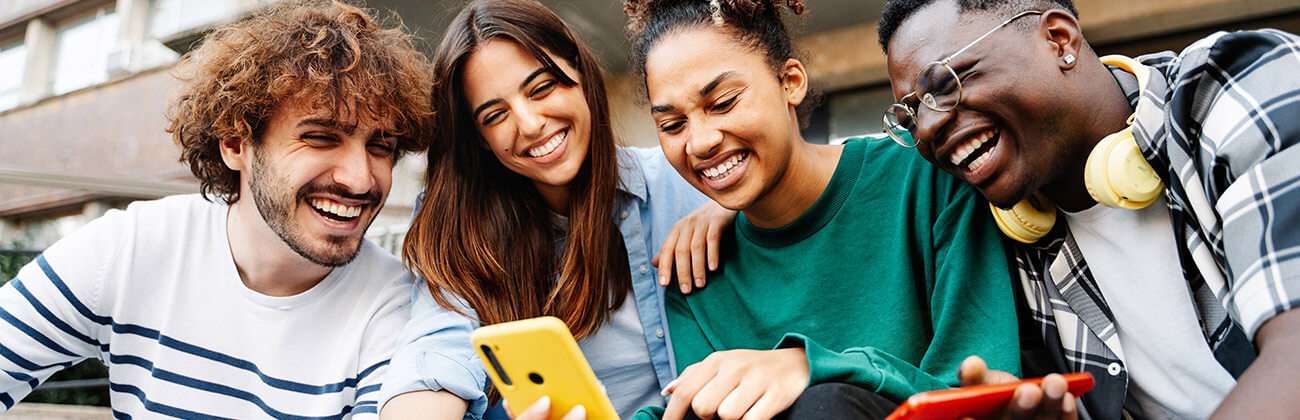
{"x":859,"y":265}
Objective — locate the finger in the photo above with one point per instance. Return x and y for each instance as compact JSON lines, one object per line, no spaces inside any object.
{"x":664,"y":259}
{"x":698,"y":256}
{"x":713,"y":241}
{"x":684,"y":389}
{"x":738,"y":402}
{"x":577,"y":413}
{"x":972,"y":371}
{"x":767,"y":407}
{"x":668,"y":389}
{"x":1024,"y":402}
{"x":683,"y":262}
{"x":540,"y":410}
{"x":1054,"y":390}
{"x":1069,"y":411}
{"x":706,"y":401}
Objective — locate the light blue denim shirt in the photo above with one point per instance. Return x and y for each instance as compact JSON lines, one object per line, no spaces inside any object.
{"x":435,"y":352}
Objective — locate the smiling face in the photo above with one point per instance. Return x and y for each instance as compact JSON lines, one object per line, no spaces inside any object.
{"x":535,"y":124}
{"x":1006,"y":137}
{"x":726,"y":120}
{"x":319,"y":181}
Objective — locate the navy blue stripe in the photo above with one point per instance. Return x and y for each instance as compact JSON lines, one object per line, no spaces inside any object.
{"x":367,"y":371}
{"x":23,"y":377}
{"x":190,"y":382}
{"x":49,"y":316}
{"x":367,"y":389}
{"x":28,"y":364}
{"x":67,"y":293}
{"x":157,"y":407}
{"x":195,"y":350}
{"x":369,"y":409}
{"x":4,"y":399}
{"x":35,"y":335}
{"x":120,"y":415}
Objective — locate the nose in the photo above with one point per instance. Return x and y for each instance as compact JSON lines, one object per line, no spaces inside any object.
{"x":703,"y":141}
{"x":929,"y":126}
{"x":532,"y":125}
{"x":353,"y":170}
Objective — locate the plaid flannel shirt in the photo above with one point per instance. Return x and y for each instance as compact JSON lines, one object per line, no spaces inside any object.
{"x":1219,"y":122}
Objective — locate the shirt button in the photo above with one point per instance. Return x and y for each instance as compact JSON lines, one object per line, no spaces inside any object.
{"x":659,"y":332}
{"x":623,"y":215}
{"x":644,"y":268}
{"x":1114,"y":369}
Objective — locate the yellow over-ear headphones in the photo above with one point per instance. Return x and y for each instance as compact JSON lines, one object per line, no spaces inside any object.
{"x":1116,"y":175}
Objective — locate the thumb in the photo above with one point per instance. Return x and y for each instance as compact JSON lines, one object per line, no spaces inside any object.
{"x":577,"y":413}
{"x":972,"y":371}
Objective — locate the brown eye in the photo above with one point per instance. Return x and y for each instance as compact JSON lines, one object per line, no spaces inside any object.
{"x":542,"y":89}
{"x":672,"y":127}
{"x":726,"y":105}
{"x":493,"y":117}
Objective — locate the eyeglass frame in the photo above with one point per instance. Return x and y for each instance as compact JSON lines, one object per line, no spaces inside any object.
{"x":890,"y":128}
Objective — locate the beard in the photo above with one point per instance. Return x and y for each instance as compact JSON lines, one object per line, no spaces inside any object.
{"x":277,"y":203}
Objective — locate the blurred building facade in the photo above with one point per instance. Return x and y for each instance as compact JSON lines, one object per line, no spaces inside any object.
{"x":84,"y":87}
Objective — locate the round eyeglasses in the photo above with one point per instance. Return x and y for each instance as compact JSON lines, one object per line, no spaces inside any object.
{"x":940,"y":90}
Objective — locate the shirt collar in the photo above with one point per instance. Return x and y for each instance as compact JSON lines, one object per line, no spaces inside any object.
{"x":631,"y":179}
{"x":1148,"y":104}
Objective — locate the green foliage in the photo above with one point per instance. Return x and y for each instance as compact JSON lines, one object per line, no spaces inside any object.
{"x":11,"y":262}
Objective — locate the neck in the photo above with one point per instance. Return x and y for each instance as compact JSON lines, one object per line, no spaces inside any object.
{"x":265,"y":263}
{"x":805,"y":178}
{"x":557,"y":198}
{"x":1105,"y":114}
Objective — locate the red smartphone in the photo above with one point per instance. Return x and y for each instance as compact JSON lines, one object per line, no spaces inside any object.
{"x":975,"y":401}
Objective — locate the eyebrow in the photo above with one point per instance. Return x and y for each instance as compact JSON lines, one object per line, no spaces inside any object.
{"x":327,"y":123}
{"x":335,"y":125}
{"x":704,"y":91}
{"x":540,"y":71}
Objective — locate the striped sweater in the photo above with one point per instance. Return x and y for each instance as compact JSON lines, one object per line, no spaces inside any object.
{"x":152,"y":291}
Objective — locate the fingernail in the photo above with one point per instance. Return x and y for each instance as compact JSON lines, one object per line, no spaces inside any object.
{"x":685,"y":289}
{"x":699,"y":282}
{"x":668,"y":389}
{"x":1069,"y":404}
{"x":578,"y":412}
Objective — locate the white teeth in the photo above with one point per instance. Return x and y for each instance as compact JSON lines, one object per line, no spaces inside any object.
{"x":335,"y":208}
{"x":980,"y":161}
{"x":724,"y":167}
{"x":970,"y":146}
{"x":549,"y":146}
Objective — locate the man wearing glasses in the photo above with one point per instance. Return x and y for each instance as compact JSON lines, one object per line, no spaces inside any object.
{"x":1157,"y":198}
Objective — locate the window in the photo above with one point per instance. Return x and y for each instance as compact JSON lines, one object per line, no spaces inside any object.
{"x":83,"y":47}
{"x":171,"y":17}
{"x":13,"y":58}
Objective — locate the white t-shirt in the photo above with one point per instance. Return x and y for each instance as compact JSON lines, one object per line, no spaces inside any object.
{"x":154,"y":293}
{"x":1133,"y":256}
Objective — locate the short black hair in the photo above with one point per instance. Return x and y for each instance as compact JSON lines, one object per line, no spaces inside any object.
{"x":897,"y":11}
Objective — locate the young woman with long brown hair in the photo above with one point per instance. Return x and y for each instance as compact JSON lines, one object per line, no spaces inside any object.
{"x":533,"y":209}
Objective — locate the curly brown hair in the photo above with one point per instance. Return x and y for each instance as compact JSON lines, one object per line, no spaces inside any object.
{"x":333,"y":54}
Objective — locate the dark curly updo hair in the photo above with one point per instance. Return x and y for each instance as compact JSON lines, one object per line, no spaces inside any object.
{"x":756,"y":24}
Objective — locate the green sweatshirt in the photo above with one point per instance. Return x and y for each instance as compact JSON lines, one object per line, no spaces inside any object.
{"x":893,"y":277}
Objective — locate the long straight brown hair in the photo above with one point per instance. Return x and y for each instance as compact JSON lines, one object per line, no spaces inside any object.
{"x":483,"y":232}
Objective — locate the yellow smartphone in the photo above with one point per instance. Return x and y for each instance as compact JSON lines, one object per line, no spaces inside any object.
{"x":538,"y":357}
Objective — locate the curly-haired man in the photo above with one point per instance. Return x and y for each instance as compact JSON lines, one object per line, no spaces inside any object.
{"x":258,"y":298}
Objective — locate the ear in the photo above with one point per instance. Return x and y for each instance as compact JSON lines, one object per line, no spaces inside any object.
{"x":235,"y":153}
{"x":1062,"y":32}
{"x":794,"y":79}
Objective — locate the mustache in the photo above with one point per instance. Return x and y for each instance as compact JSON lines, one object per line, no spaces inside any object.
{"x":371,"y":197}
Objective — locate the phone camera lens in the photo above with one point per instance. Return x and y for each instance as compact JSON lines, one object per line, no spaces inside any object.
{"x":537,"y":379}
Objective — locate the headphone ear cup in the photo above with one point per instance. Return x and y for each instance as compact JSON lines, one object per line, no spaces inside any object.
{"x":1117,"y":175}
{"x":1027,"y":221}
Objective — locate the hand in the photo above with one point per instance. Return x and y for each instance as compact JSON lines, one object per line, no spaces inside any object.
{"x":1051,"y":400}
{"x":739,"y":384}
{"x":693,"y":244}
{"x":541,"y":410}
